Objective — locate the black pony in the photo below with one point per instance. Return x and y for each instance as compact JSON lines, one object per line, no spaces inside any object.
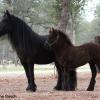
{"x":71,"y":57}
{"x":29,"y":47}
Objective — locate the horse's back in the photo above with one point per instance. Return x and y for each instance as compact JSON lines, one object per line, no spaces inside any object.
{"x":80,"y":55}
{"x":93,"y":51}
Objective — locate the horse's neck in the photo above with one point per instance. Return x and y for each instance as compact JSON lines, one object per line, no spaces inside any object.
{"x":27,"y":33}
{"x":61,"y":46}
{"x":22,"y":38}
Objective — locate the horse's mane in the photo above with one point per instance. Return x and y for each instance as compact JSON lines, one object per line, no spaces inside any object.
{"x":22,"y":35}
{"x":65,"y":37}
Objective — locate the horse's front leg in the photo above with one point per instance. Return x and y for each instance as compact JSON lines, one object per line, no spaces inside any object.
{"x":66,"y":80}
{"x":72,"y":80}
{"x":32,"y":85}
{"x":29,"y":70}
{"x":94,"y":73}
{"x":25,"y":66}
{"x":59,"y":81}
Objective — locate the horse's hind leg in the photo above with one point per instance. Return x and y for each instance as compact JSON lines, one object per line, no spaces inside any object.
{"x":94,"y":73}
{"x":66,"y":86}
{"x":32,"y":85}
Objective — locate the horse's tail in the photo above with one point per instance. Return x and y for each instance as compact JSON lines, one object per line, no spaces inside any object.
{"x":98,"y":68}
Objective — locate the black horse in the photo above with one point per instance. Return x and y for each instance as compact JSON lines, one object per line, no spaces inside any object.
{"x":29,"y":47}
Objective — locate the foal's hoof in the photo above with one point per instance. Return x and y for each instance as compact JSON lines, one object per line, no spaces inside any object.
{"x":31,"y":88}
{"x":89,"y":89}
{"x":72,"y":89}
{"x":66,"y":88}
{"x":57,"y":88}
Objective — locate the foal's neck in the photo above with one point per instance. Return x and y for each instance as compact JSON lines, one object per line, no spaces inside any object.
{"x":62,"y":46}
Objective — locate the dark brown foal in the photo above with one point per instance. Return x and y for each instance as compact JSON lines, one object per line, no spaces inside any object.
{"x":71,"y":57}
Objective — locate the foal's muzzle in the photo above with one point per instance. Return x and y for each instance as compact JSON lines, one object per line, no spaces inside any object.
{"x":47,"y":46}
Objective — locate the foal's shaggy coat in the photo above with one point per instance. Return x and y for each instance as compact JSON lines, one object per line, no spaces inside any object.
{"x":71,"y":57}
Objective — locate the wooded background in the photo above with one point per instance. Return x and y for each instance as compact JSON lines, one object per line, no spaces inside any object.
{"x":40,"y":15}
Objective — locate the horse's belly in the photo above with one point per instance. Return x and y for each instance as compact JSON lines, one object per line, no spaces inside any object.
{"x":44,"y":60}
{"x":80,"y":62}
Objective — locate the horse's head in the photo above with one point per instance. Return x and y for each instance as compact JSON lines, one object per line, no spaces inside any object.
{"x":52,"y":38}
{"x":57,"y":37}
{"x":5,"y":24}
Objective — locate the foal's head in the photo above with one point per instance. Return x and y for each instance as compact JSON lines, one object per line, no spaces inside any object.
{"x":57,"y":37}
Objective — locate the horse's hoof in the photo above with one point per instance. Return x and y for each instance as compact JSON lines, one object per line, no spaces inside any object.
{"x":31,"y":88}
{"x":57,"y":88}
{"x":72,"y":89}
{"x":89,"y":89}
{"x":27,"y":88}
{"x":66,"y":88}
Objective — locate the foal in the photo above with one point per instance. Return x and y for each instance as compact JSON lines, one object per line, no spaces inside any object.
{"x":71,"y":57}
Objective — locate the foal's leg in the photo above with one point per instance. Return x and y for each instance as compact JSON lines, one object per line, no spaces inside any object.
{"x":94,"y":73}
{"x":59,"y":81}
{"x":72,"y":79}
{"x":66,"y":80}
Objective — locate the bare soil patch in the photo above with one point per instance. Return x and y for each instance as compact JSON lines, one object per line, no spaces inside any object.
{"x":13,"y":88}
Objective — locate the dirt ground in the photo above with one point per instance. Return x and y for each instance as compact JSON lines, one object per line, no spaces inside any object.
{"x":13,"y":88}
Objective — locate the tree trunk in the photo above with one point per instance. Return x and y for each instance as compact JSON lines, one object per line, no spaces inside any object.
{"x":65,"y":23}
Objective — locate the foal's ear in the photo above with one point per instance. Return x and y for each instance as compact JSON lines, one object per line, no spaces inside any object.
{"x":51,"y":30}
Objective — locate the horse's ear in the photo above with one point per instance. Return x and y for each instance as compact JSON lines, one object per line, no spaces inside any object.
{"x":52,"y":30}
{"x":7,"y":13}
